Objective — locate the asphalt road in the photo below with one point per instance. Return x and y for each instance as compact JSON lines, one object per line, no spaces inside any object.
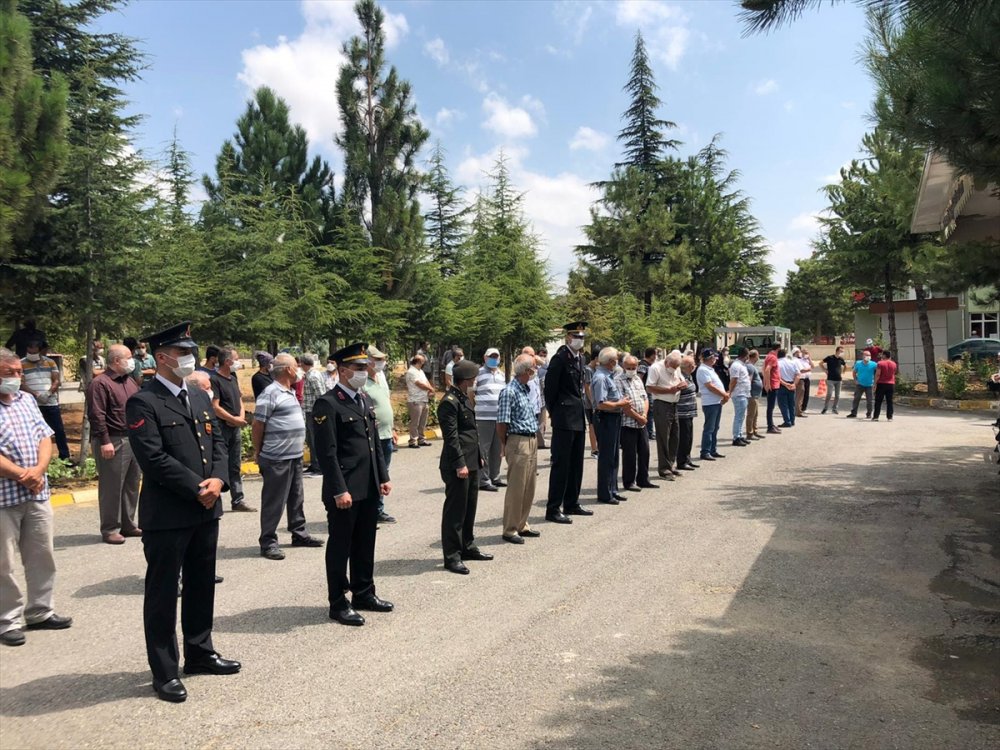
{"x":832,"y":587}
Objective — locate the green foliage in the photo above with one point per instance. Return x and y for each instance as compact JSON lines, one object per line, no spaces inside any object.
{"x":815,"y":300}
{"x":445,"y":222}
{"x":954,"y":377}
{"x":246,"y":444}
{"x":401,"y":414}
{"x":61,"y":472}
{"x":644,"y":134}
{"x":904,"y":386}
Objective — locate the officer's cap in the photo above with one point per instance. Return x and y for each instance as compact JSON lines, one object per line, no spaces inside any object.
{"x":352,"y":354}
{"x":465,"y":370}
{"x":178,"y":335}
{"x":576,"y":329}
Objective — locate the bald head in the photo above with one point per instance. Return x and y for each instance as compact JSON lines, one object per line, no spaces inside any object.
{"x":199,"y":379}
{"x":284,"y":369}
{"x":118,"y":353}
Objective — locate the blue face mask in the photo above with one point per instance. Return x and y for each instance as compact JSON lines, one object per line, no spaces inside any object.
{"x":492,"y":361}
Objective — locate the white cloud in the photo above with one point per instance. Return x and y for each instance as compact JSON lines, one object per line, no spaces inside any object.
{"x":794,"y":244}
{"x":437,"y":51}
{"x":507,"y":120}
{"x":446,"y":117}
{"x":664,"y":27}
{"x":588,"y":139}
{"x":805,"y":223}
{"x":766,"y":87}
{"x":574,"y":17}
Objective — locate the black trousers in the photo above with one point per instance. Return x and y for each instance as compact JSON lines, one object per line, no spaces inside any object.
{"x":167,"y":553}
{"x":458,"y":517}
{"x":635,"y":456}
{"x":352,"y":542}
{"x":772,"y":399}
{"x":884,"y":392}
{"x":234,"y":447}
{"x":566,"y":474}
{"x":609,"y":427}
{"x":686,"y":440}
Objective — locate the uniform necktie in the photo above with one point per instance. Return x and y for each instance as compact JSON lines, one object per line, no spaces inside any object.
{"x":182,"y":396}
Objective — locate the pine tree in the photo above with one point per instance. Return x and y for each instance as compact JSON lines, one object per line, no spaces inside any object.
{"x":32,"y":129}
{"x":381,"y":137}
{"x":644,"y":135}
{"x":446,"y":221}
{"x":179,"y":176}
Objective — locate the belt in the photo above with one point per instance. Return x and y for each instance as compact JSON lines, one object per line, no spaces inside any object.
{"x":523,"y":434}
{"x":115,"y":433}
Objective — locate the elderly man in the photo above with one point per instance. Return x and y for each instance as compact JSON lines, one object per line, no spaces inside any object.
{"x":485,"y":397}
{"x":117,"y":469}
{"x":460,"y":464}
{"x":713,"y":396}
{"x":517,"y":428}
{"x":41,"y":380}
{"x":535,"y":392}
{"x":278,"y":433}
{"x":25,"y":512}
{"x":789,"y":373}
{"x":756,"y":389}
{"x":665,"y":382}
{"x":739,"y":394}
{"x":312,"y":389}
{"x":564,"y":401}
{"x":609,"y":404}
{"x":354,"y":475}
{"x":228,"y":405}
{"x":377,"y":389}
{"x":634,"y":438}
{"x":687,"y":410}
{"x":418,"y":394}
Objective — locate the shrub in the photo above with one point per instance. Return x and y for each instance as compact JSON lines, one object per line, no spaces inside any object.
{"x":61,"y":471}
{"x":904,"y":386}
{"x":953,"y":378}
{"x":247,"y":444}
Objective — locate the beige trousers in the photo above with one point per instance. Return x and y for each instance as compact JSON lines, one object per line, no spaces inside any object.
{"x":751,"y":416}
{"x":26,"y":529}
{"x":418,"y":421}
{"x":522,"y":463}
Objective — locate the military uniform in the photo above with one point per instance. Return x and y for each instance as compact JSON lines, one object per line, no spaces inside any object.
{"x":461,"y":449}
{"x":564,"y":401}
{"x":350,"y":456}
{"x":177,"y":443}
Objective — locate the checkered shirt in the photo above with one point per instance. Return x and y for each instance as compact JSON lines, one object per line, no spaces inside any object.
{"x":516,"y":409}
{"x":635,"y":391}
{"x":312,"y":389}
{"x":21,"y":430}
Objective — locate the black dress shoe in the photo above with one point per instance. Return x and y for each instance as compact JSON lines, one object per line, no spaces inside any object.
{"x":690,"y":466}
{"x":650,"y":486}
{"x":579,"y":510}
{"x":633,"y":488}
{"x":171,"y":690}
{"x":499,"y":483}
{"x":346,"y":615}
{"x":211,"y":664}
{"x":619,"y":496}
{"x":456,"y":566}
{"x":476,"y":554}
{"x":488,"y":488}
{"x":516,"y":539}
{"x":612,"y":501}
{"x":371,"y":603}
{"x":717,"y":455}
{"x":530,"y":533}
{"x":706,"y":457}
{"x":306,"y":541}
{"x":13,"y":637}
{"x":219,"y":579}
{"x":55,"y":622}
{"x":558,"y":517}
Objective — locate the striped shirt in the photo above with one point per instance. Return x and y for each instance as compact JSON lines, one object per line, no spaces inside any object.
{"x":314,"y":388}
{"x":38,"y":380}
{"x":284,"y":424}
{"x":21,"y":430}
{"x":489,"y":384}
{"x":687,"y":405}
{"x":634,"y":390}
{"x":516,"y":409}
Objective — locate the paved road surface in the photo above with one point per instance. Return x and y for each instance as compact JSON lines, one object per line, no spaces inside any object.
{"x":832,"y":587}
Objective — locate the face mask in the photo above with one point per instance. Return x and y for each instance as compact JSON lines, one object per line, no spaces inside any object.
{"x":10,"y":386}
{"x":358,"y":379}
{"x":379,"y":366}
{"x":34,"y":357}
{"x":576,"y":344}
{"x":299,"y":375}
{"x":142,"y":353}
{"x":630,"y":374}
{"x":331,"y":367}
{"x":184,"y":367}
{"x":211,"y":394}
{"x":492,"y":361}
{"x":128,"y":365}
{"x":236,"y":365}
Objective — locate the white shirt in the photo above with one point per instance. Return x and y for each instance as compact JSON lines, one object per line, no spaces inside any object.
{"x":788,"y":369}
{"x":416,"y":394}
{"x":739,"y":372}
{"x":665,"y":377}
{"x":705,"y":375}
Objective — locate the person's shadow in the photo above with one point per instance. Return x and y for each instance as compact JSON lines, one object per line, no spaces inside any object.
{"x":62,"y":692}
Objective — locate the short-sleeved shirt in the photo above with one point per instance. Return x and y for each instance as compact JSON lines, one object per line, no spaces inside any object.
{"x":634,"y":390}
{"x":489,"y":384}
{"x":21,"y":430}
{"x":314,"y":388}
{"x":144,"y":363}
{"x":756,"y":381}
{"x":284,"y":423}
{"x":864,"y":374}
{"x":687,"y":404}
{"x":414,"y":393}
{"x":516,"y":409}
{"x":664,"y":377}
{"x":603,"y":388}
{"x":535,"y":391}
{"x":774,"y":376}
{"x":788,"y":369}
{"x":738,"y":371}
{"x":378,"y":389}
{"x":227,"y":391}
{"x":704,"y":376}
{"x":38,"y":379}
{"x":886,"y":372}
{"x":259,"y":382}
{"x":834,"y":367}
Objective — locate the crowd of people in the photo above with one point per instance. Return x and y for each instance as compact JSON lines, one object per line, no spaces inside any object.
{"x":157,"y":415}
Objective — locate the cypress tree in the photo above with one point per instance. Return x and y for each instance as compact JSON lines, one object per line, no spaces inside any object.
{"x":644,"y":135}
{"x":446,"y":221}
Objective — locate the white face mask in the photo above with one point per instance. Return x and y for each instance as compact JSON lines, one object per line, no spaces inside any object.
{"x":33,"y":357}
{"x":331,"y":367}
{"x":358,"y":379}
{"x":630,"y":374}
{"x":9,"y":386}
{"x":299,"y":375}
{"x":184,"y":367}
{"x":379,"y":365}
{"x":128,"y":365}
{"x":211,"y":394}
{"x":576,"y":344}
{"x":237,"y":365}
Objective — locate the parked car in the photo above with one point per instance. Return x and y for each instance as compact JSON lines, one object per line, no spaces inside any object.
{"x":977,"y":349}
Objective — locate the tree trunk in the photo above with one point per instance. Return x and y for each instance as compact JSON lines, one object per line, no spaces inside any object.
{"x":85,"y":377}
{"x":648,"y":302}
{"x":927,"y":339}
{"x":891,"y":314}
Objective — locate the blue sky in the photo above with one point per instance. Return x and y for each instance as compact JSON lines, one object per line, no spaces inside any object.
{"x":542,"y":80}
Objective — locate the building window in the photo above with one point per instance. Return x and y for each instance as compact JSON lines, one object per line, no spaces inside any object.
{"x":984,"y":325}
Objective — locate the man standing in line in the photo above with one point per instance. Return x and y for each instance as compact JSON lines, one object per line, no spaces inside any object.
{"x":211,"y":359}
{"x":772,"y":386}
{"x":833,"y":365}
{"x":330,"y":377}
{"x":312,"y":389}
{"x":354,"y":475}
{"x":377,"y":389}
{"x":649,"y":359}
{"x":228,"y":406}
{"x":176,"y":440}
{"x":117,"y":469}
{"x":486,"y":396}
{"x":517,"y":428}
{"x":756,"y":383}
{"x":278,"y":433}
{"x":713,"y":396}
{"x":418,"y":395}
{"x":609,"y":405}
{"x":885,"y":384}
{"x":460,"y":464}
{"x":542,"y":362}
{"x":145,"y":364}
{"x":687,"y":410}
{"x":634,"y":438}
{"x":864,"y":379}
{"x":262,"y":378}
{"x":739,"y":393}
{"x":789,"y":372}
{"x":455,"y":356}
{"x":665,"y":382}
{"x":41,"y":380}
{"x":564,"y":400}
{"x":25,"y":511}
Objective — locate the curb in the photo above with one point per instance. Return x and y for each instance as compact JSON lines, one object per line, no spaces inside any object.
{"x":57,"y":499}
{"x":947,"y":404}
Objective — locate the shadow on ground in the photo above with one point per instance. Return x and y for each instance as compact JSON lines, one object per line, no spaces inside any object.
{"x":64,"y":692}
{"x":272,"y":620}
{"x":75,"y":540}
{"x":125,"y":585}
{"x":808,"y":652}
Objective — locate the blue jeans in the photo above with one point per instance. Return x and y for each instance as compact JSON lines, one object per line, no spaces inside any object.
{"x":387,"y":455}
{"x":710,"y":431}
{"x":53,"y":418}
{"x":739,"y":418}
{"x":786,"y":402}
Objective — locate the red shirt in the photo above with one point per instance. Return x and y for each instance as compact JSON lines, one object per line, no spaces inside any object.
{"x":771,"y":360}
{"x":885,"y":372}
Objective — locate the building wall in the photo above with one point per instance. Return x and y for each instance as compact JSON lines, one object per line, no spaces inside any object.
{"x":910,"y":356}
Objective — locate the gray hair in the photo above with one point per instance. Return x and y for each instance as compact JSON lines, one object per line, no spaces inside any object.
{"x":307,"y":360}
{"x":630,"y":358}
{"x":523,"y":363}
{"x":673,"y":359}
{"x":226,"y":353}
{"x":6,"y":355}
{"x":608,"y":357}
{"x":199,"y":379}
{"x":688,"y":361}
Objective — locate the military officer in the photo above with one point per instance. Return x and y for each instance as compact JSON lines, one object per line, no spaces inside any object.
{"x":564,"y":401}
{"x":176,"y":440}
{"x":461,"y":461}
{"x":354,"y":475}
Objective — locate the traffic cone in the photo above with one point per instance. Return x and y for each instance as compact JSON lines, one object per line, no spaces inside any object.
{"x":821,"y":389}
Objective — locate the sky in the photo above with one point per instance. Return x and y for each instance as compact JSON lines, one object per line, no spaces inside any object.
{"x":543,"y":81}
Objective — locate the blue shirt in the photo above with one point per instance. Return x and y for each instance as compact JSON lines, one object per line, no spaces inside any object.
{"x":516,"y":409}
{"x":603,"y":388}
{"x":864,"y":374}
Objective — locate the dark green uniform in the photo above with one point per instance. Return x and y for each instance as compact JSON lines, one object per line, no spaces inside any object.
{"x":461,"y":449}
